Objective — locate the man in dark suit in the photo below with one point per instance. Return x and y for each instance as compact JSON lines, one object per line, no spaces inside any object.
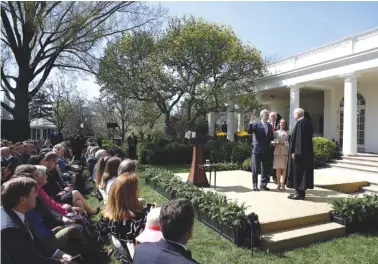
{"x":18,"y":244}
{"x":275,"y":126}
{"x":176,"y":221}
{"x":261,"y":154}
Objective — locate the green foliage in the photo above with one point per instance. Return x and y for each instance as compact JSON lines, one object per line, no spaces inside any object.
{"x":222,"y":150}
{"x":218,"y":150}
{"x":106,"y":143}
{"x":239,"y":152}
{"x":171,"y":153}
{"x":324,"y":150}
{"x":227,"y":166}
{"x":214,"y":204}
{"x":145,"y":150}
{"x":247,"y":164}
{"x":357,"y":210}
{"x":179,"y":63}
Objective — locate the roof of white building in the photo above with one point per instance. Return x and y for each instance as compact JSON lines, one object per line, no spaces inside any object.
{"x":41,"y":123}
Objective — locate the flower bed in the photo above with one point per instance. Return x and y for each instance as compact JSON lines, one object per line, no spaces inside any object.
{"x":213,"y":209}
{"x":356,"y":214}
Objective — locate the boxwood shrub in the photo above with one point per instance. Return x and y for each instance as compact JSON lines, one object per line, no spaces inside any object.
{"x":172,"y":153}
{"x":214,"y":204}
{"x":357,"y":210}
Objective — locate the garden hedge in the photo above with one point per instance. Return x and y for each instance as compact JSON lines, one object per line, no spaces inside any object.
{"x":158,"y":154}
{"x":214,"y":204}
{"x":356,"y":213}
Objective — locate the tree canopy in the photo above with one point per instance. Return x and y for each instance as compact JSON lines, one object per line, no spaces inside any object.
{"x":193,"y":60}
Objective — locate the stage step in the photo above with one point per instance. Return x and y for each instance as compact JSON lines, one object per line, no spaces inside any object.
{"x":363,"y":158}
{"x":360,"y":167}
{"x":372,"y":189}
{"x":352,"y":162}
{"x":294,"y":223}
{"x":297,"y":237}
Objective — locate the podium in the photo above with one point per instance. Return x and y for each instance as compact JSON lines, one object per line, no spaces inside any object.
{"x":197,"y":175}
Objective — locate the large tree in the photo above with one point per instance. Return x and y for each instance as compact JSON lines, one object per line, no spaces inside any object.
{"x":203,"y":63}
{"x":37,"y":37}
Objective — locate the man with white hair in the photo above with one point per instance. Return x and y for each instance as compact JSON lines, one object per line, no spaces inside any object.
{"x":261,"y":154}
{"x":300,"y":175}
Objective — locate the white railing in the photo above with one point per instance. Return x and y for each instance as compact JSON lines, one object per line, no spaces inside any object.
{"x":362,"y":42}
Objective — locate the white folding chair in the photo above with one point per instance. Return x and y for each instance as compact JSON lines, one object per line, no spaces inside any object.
{"x":129,"y":252}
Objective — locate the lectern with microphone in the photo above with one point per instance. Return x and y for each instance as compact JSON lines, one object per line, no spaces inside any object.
{"x":197,"y":175}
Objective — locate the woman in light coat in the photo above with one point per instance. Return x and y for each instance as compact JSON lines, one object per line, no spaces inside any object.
{"x":281,"y":150}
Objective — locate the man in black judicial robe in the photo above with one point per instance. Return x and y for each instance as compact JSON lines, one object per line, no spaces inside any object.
{"x":300,"y":172}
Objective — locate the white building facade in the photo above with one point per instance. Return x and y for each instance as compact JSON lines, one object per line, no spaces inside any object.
{"x":337,"y":84}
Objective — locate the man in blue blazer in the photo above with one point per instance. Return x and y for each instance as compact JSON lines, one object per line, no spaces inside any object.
{"x":176,"y":222}
{"x":261,"y":154}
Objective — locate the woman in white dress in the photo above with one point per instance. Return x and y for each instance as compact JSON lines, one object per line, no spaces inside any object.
{"x":281,"y":150}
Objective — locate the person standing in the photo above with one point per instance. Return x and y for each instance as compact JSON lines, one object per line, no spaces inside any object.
{"x":281,"y":150}
{"x":132,"y":142}
{"x":300,"y":175}
{"x":77,"y":144}
{"x":275,"y":126}
{"x":261,"y":153}
{"x":224,"y":127}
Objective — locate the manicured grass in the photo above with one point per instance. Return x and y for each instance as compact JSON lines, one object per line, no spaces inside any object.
{"x":209,"y":247}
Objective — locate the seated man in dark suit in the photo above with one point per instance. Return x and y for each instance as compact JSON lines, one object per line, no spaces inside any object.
{"x":261,"y":154}
{"x":176,"y":221}
{"x":18,"y":244}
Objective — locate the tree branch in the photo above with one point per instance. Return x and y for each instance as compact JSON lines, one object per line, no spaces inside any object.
{"x":8,"y":108}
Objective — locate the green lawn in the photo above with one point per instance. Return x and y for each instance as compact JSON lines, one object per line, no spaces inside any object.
{"x":209,"y":247}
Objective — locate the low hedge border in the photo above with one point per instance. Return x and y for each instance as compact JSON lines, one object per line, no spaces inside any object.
{"x":213,"y":209}
{"x":357,"y":214}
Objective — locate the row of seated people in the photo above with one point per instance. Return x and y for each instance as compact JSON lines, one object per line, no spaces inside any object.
{"x":129,"y":221}
{"x":57,"y":221}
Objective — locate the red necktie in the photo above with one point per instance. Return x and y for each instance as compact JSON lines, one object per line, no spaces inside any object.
{"x":273,"y":127}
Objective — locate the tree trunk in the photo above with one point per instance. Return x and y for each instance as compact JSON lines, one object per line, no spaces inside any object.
{"x":21,"y":106}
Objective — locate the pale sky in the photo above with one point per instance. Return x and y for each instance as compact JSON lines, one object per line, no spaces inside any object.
{"x":279,"y":29}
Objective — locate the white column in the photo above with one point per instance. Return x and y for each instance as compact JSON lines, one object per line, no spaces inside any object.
{"x":258,"y":97}
{"x":350,"y":116}
{"x":330,"y":114}
{"x":230,"y":121}
{"x":294,"y":103}
{"x":211,"y":123}
{"x":241,"y":122}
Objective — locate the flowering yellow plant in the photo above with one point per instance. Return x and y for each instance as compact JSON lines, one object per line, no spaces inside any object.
{"x":242,"y":134}
{"x":239,"y":134}
{"x":220,"y":134}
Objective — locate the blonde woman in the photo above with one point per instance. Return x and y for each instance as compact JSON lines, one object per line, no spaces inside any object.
{"x":123,"y":216}
{"x":281,"y":151}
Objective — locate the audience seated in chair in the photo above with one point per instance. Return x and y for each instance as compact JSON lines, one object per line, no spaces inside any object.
{"x":152,"y":231}
{"x":55,"y":189}
{"x":18,"y":244}
{"x":108,"y":177}
{"x":176,"y":221}
{"x":123,"y":217}
{"x":92,"y":160}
